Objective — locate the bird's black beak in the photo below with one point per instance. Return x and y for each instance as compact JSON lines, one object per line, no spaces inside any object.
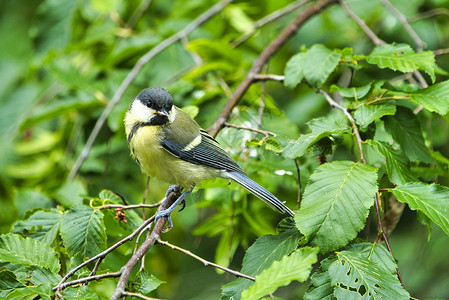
{"x":162,"y":112}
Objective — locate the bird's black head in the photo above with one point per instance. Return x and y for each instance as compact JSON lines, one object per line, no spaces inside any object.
{"x":158,"y":105}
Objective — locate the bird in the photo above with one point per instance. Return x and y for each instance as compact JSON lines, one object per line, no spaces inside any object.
{"x":169,"y":145}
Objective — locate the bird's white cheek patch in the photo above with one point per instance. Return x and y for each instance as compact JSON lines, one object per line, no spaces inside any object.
{"x":172,"y":114}
{"x":142,"y":112}
{"x":196,"y":141}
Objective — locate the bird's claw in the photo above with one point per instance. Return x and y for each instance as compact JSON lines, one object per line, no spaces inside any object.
{"x":165,"y":213}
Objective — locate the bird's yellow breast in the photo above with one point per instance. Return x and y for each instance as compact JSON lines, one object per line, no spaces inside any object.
{"x":157,"y":162}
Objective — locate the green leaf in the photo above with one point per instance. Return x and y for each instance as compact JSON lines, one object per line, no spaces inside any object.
{"x":259,"y":256}
{"x":366,"y":114}
{"x":42,"y":226}
{"x":321,"y":128}
{"x":273,"y":145}
{"x":42,"y":275}
{"x":148,"y":282}
{"x":319,"y":64}
{"x":405,"y":128}
{"x":83,"y":231}
{"x":8,"y":282}
{"x":366,"y":271}
{"x":401,"y":57}
{"x":431,"y":199}
{"x":296,"y":266}
{"x":352,"y":92}
{"x":434,"y":98}
{"x":294,"y":70}
{"x":43,"y":291}
{"x":398,"y":166}
{"x":320,"y":282}
{"x":336,"y":203}
{"x":28,"y":252}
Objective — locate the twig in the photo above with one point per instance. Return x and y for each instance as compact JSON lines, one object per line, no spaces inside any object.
{"x":124,"y":207}
{"x":382,"y":232}
{"x":376,"y":40}
{"x":421,"y":45}
{"x":205,"y":262}
{"x":267,"y":19}
{"x":266,"y":133}
{"x":351,"y":119}
{"x":135,"y":71}
{"x":266,"y":77}
{"x":429,"y":14}
{"x":137,"y":295}
{"x":88,"y":279}
{"x":143,"y":6}
{"x":59,"y":287}
{"x":298,"y":172}
{"x":146,"y":245}
{"x":441,"y":51}
{"x":269,"y":51}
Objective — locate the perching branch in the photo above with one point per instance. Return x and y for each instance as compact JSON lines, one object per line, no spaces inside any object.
{"x":205,"y":262}
{"x":134,"y":72}
{"x":269,"y":51}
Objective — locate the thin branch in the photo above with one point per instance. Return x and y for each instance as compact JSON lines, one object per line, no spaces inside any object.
{"x":441,"y":51}
{"x":382,"y":232}
{"x":376,"y":40}
{"x":333,"y":103}
{"x":124,"y":207}
{"x":143,"y":6}
{"x":146,"y":245}
{"x":267,"y":19}
{"x":419,"y":43}
{"x":269,"y":51}
{"x":298,"y":173}
{"x":134,"y":72}
{"x":88,"y":279}
{"x":59,"y":287}
{"x":429,"y":14}
{"x":266,"y":133}
{"x":205,"y":262}
{"x":137,"y":295}
{"x":266,"y":77}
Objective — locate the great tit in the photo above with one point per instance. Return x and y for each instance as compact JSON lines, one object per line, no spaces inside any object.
{"x":169,"y":145}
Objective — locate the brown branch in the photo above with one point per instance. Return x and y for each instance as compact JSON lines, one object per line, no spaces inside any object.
{"x":333,"y":103}
{"x":266,"y":133}
{"x":101,"y":255}
{"x":146,"y":245}
{"x":88,"y":279}
{"x":441,"y":51}
{"x":275,"y":45}
{"x":267,"y":19}
{"x":205,"y":262}
{"x":124,"y":207}
{"x":266,"y":77}
{"x":134,"y":72}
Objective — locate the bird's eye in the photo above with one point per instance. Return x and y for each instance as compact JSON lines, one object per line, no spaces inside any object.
{"x":149,"y":103}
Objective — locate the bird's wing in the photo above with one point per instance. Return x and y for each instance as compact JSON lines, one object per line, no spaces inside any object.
{"x":203,"y":149}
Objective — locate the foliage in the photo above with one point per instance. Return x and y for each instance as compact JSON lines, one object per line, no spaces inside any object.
{"x":360,"y":120}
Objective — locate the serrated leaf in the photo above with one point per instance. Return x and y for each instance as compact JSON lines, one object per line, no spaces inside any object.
{"x":431,"y":199}
{"x":83,"y":231}
{"x":148,"y":283}
{"x":434,"y":98}
{"x":294,"y":70}
{"x":259,"y":256}
{"x":28,"y":252}
{"x":398,"y":166}
{"x":405,"y":128}
{"x":42,"y":275}
{"x":401,"y":57}
{"x":320,"y":287}
{"x":273,"y":145}
{"x":336,"y":203}
{"x":366,"y":114}
{"x":42,"y":225}
{"x":352,"y":92}
{"x":321,"y":128}
{"x":8,"y":282}
{"x":366,"y":271}
{"x":319,"y":64}
{"x":70,"y":194}
{"x":44,"y":291}
{"x":296,"y":266}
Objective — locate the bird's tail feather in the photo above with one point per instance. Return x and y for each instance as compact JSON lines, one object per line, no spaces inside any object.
{"x":260,"y":192}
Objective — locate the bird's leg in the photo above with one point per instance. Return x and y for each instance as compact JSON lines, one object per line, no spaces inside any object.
{"x":168,"y":211}
{"x":176,"y":189}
